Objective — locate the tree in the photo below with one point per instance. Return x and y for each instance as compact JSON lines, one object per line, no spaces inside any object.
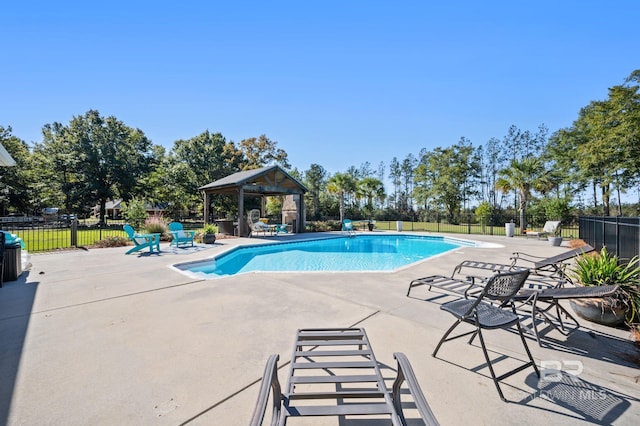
{"x":59,"y":165}
{"x":315,"y":180}
{"x":450,"y":172}
{"x":341,"y":184}
{"x":395,"y":174}
{"x":522,"y":176}
{"x":16,"y":192}
{"x":407,"y":175}
{"x":371,"y":189}
{"x":99,"y":158}
{"x":491,"y":161}
{"x":134,"y":212}
{"x":200,"y":160}
{"x":262,"y":152}
{"x":604,"y":143}
{"x":483,"y":213}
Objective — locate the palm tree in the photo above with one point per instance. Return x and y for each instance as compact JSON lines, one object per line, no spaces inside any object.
{"x":341,"y":184}
{"x":371,"y":188}
{"x":522,"y":176}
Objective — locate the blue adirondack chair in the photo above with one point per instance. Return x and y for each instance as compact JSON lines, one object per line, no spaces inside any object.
{"x":141,"y":241}
{"x":179,"y":236}
{"x":347,"y":227}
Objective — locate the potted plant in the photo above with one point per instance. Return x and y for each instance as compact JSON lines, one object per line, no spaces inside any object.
{"x":370,"y":224}
{"x":209,"y":233}
{"x":604,"y":269}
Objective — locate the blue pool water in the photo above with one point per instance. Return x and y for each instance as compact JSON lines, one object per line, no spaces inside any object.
{"x":359,"y":253}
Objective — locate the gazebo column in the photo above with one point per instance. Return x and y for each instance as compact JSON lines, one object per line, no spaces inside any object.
{"x":242,"y":225}
{"x":206,"y":208}
{"x":302,"y":214}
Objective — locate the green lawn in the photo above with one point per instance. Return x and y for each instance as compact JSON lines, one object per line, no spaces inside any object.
{"x":40,"y":239}
{"x":567,"y":232}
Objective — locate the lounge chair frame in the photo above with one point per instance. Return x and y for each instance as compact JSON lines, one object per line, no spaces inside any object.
{"x":324,"y":359}
{"x":539,"y":296}
{"x":554,"y":265}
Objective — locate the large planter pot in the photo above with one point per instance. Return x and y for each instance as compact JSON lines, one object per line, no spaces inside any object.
{"x":555,"y":241}
{"x":370,"y":225}
{"x":209,"y":238}
{"x":599,"y":311}
{"x":509,"y":229}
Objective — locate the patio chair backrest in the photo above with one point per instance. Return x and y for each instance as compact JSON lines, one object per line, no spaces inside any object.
{"x":175,"y":226}
{"x":129,"y":230}
{"x":551,"y":225}
{"x":253,"y":216}
{"x":504,"y":286}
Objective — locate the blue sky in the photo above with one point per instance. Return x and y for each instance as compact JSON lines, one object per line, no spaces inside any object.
{"x":335,"y":83}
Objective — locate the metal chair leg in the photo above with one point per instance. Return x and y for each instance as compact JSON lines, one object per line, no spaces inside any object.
{"x":493,"y":373}
{"x":444,"y":338}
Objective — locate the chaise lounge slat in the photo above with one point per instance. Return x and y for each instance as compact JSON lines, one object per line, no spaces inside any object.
{"x":334,"y":334}
{"x":331,"y":353}
{"x":336,"y":342}
{"x":323,"y":365}
{"x":339,"y":410}
{"x":452,"y":285}
{"x":334,"y":379}
{"x":337,"y":394}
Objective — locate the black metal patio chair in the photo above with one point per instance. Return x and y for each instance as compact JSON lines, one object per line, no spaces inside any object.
{"x":493,"y":308}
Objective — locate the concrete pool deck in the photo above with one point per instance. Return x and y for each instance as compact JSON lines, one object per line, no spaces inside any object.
{"x":98,"y":337}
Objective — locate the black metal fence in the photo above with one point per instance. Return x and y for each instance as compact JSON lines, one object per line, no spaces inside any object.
{"x":55,"y":236}
{"x":621,"y":235}
{"x":39,"y":236}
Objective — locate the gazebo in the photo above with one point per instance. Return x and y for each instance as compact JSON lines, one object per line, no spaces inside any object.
{"x":265,"y":181}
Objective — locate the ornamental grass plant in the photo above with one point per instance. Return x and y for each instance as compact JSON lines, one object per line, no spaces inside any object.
{"x":156,"y":225}
{"x":604,"y":269}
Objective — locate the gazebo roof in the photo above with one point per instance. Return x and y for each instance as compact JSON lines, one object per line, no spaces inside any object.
{"x":271,"y":180}
{"x":5,"y":157}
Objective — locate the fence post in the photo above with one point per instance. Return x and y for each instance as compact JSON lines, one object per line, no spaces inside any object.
{"x":469,"y":224}
{"x":618,"y":236}
{"x":74,"y":233}
{"x":603,"y":230}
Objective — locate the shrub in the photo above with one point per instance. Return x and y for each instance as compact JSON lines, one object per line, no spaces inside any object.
{"x":156,"y":225}
{"x":112,"y":241}
{"x":483,"y":213}
{"x":210,"y":228}
{"x":319,"y":226}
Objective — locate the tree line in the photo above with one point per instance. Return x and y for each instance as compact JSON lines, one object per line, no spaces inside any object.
{"x":93,"y":159}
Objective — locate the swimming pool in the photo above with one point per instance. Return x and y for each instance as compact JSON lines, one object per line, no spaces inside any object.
{"x":359,"y":253}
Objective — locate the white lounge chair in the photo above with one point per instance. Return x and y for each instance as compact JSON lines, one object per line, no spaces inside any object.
{"x":550,"y":228}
